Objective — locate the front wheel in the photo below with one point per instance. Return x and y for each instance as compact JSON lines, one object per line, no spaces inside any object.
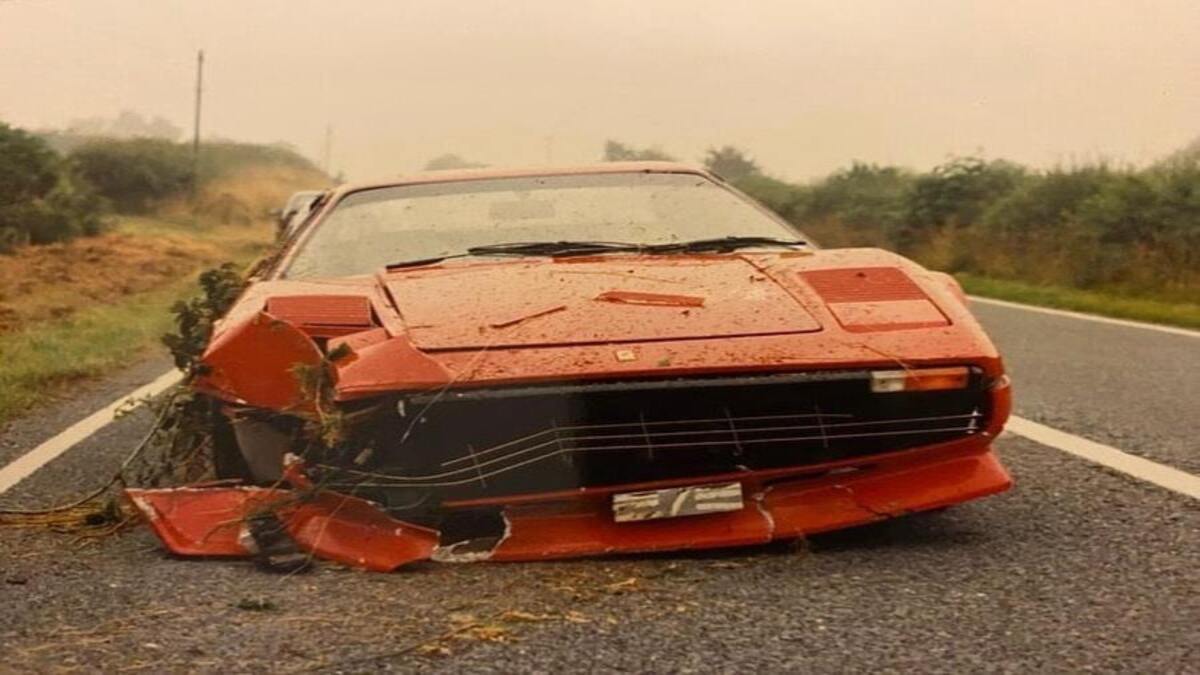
{"x":227,"y":460}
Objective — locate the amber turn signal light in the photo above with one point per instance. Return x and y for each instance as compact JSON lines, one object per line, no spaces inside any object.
{"x":919,"y":379}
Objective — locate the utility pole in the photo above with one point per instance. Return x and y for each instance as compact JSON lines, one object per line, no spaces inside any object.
{"x":196,"y":127}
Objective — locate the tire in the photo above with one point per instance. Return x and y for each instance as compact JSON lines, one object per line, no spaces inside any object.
{"x":227,"y":459}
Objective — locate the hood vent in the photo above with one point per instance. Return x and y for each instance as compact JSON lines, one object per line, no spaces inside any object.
{"x":869,"y":299}
{"x":863,"y":284}
{"x":327,"y":315}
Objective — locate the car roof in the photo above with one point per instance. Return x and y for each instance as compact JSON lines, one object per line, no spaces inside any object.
{"x":457,"y":175}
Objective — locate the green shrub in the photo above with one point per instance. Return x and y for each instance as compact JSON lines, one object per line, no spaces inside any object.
{"x":619,"y":152}
{"x":28,"y":167}
{"x":194,"y":318}
{"x":731,"y":163}
{"x":135,"y":174}
{"x":43,"y":199}
{"x":1127,"y":231}
{"x":783,"y":198}
{"x":220,"y":158}
{"x":138,"y":174}
{"x":955,"y":194}
{"x":868,"y":202}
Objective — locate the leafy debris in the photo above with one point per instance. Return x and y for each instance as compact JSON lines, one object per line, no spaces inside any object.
{"x":256,"y":605}
{"x":220,"y":288}
{"x":178,"y":447}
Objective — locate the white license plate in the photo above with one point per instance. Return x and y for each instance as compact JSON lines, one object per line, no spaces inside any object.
{"x":693,"y":500}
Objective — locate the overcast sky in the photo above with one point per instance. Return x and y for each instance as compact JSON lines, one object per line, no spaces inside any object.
{"x":806,"y":87}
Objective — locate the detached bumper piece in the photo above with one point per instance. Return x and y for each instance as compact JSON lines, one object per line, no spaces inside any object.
{"x":354,"y":532}
{"x":326,"y":525}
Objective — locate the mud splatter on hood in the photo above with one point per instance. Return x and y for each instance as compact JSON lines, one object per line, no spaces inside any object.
{"x":598,"y":300}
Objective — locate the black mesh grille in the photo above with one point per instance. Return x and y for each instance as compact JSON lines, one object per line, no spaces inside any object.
{"x":466,"y":444}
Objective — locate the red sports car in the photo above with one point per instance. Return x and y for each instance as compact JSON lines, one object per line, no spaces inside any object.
{"x":528,"y":364}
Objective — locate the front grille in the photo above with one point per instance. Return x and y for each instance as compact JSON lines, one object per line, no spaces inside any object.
{"x":493,"y":442}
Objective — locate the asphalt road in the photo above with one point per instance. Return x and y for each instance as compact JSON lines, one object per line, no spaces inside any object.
{"x":1077,"y":568}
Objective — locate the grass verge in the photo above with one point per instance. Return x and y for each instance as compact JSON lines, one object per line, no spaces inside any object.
{"x":88,"y":306}
{"x":1186,"y":315}
{"x":40,"y":361}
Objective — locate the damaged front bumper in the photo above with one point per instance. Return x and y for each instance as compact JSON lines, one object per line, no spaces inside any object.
{"x":220,"y":521}
{"x":778,"y":504}
{"x":540,"y":473}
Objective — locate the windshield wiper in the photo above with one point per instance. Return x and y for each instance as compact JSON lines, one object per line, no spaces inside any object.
{"x":422,"y":261}
{"x":722,"y":244}
{"x":569,"y":248}
{"x":554,"y":248}
{"x":581,"y":248}
{"x":526,"y":248}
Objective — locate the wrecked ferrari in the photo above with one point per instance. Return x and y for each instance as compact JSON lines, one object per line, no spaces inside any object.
{"x":515,"y":365}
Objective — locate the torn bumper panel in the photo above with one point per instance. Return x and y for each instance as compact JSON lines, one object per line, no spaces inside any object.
{"x":330,"y":526}
{"x":355,"y":532}
{"x":781,"y":510}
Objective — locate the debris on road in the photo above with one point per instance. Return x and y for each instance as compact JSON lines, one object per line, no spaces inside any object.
{"x":327,"y":525}
{"x":178,"y":449}
{"x":256,"y":605}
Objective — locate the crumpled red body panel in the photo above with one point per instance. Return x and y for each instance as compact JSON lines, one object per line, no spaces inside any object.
{"x":333,"y":526}
{"x":784,"y":510}
{"x":329,"y":525}
{"x":253,"y":362}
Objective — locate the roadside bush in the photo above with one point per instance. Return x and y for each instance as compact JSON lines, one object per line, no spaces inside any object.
{"x":1046,"y":201}
{"x":220,"y":158}
{"x":43,"y":199}
{"x":783,"y":198}
{"x":28,"y":167}
{"x":615,"y":151}
{"x":137,"y":173}
{"x":860,"y":206}
{"x":955,"y":194}
{"x":451,"y":161}
{"x":1135,"y":232}
{"x":194,"y":318}
{"x":731,"y":163}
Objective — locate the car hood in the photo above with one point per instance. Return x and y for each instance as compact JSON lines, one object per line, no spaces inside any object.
{"x":599,"y":318}
{"x":600,"y":300}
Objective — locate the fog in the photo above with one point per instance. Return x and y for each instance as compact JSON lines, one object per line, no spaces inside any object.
{"x":805,"y":87}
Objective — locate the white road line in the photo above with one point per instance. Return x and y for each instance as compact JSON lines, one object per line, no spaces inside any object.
{"x":26,"y":464}
{"x":1087,"y":317}
{"x":1143,"y":469}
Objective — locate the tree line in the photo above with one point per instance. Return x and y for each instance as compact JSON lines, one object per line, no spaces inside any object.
{"x":1093,"y":226}
{"x":55,"y":186}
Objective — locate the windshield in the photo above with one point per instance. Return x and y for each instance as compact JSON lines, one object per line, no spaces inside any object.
{"x":372,"y":228}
